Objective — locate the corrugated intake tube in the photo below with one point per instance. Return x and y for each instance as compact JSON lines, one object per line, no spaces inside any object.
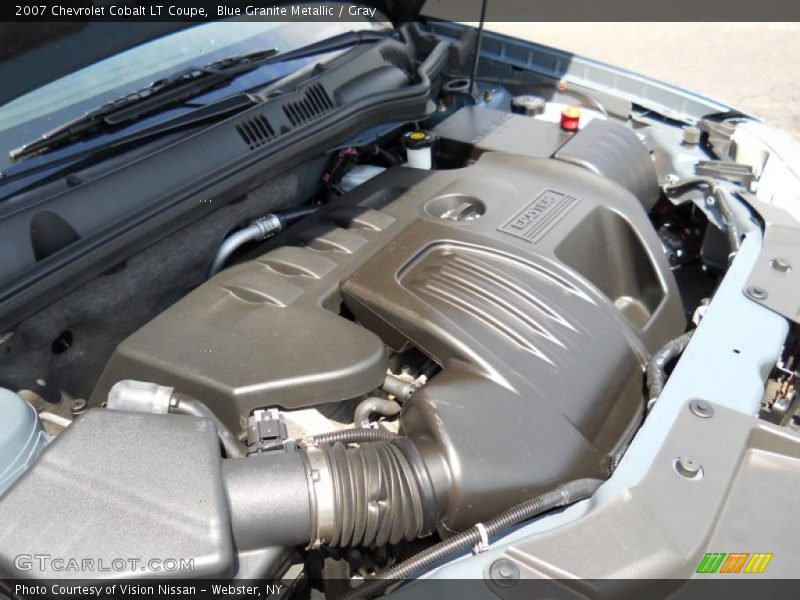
{"x":376,"y":499}
{"x":375,"y":494}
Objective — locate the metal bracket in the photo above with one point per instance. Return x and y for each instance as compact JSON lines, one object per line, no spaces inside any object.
{"x":774,"y":281}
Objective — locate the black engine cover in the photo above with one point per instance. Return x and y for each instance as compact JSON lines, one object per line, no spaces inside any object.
{"x":539,"y":287}
{"x":541,"y":312}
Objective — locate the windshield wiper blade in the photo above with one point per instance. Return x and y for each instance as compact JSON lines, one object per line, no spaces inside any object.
{"x":159,"y":95}
{"x":205,"y":114}
{"x":179,"y":87}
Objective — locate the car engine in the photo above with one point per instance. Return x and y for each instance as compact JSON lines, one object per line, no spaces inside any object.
{"x":498,"y":274}
{"x":417,"y":310}
{"x":479,"y":332}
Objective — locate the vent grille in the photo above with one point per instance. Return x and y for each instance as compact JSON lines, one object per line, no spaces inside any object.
{"x":397,"y":58}
{"x":314,"y":104}
{"x":256,"y":131}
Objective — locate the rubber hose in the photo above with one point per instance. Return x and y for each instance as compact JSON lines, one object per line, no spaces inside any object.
{"x":372,"y":495}
{"x":377,"y":500}
{"x":564,"y":494}
{"x":372,"y":405}
{"x":236,"y":240}
{"x":257,"y":230}
{"x":294,"y":214}
{"x":400,"y":388}
{"x":186,"y":405}
{"x":656,"y":369}
{"x":376,"y":150}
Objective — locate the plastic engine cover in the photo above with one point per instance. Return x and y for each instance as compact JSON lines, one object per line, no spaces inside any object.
{"x":538,"y":286}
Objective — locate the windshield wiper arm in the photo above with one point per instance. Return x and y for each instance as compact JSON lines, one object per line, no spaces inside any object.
{"x":179,"y":87}
{"x":201,"y":116}
{"x":157,"y":96}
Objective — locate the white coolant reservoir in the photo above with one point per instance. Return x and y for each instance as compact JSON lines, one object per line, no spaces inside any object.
{"x":419,"y":149}
{"x":21,"y":437}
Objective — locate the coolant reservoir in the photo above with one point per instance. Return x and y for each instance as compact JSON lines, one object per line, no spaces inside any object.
{"x":21,"y":437}
{"x":419,"y":149}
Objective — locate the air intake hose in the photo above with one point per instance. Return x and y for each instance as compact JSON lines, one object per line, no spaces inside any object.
{"x":370,"y":495}
{"x":317,"y":491}
{"x":375,"y":494}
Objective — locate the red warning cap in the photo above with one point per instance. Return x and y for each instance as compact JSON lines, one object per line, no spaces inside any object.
{"x":571,"y":118}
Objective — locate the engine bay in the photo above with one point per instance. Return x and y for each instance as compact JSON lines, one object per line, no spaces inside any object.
{"x":501,"y":274}
{"x":371,"y":353}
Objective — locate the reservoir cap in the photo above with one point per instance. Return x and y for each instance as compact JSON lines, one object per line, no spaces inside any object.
{"x":418,"y":139}
{"x":571,"y":118}
{"x":528,"y":105}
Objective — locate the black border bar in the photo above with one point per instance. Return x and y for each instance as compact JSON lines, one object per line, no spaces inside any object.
{"x":403,"y":10}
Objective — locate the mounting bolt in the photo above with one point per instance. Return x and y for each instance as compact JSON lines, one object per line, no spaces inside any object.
{"x":671,"y":178}
{"x":756,"y":292}
{"x":688,"y":468}
{"x":701,"y":408}
{"x":504,"y":573}
{"x":780,"y":264}
{"x":79,"y":406}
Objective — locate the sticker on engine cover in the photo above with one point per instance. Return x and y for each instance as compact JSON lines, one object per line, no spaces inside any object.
{"x":539,"y":216}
